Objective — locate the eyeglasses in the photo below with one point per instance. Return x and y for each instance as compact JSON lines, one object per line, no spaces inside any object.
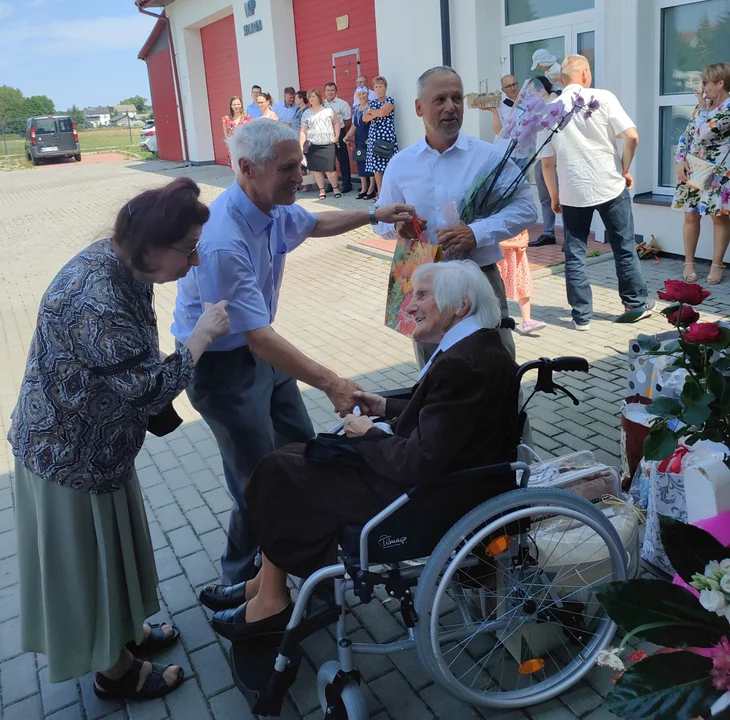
{"x":190,"y":253}
{"x":261,"y":102}
{"x":510,"y":86}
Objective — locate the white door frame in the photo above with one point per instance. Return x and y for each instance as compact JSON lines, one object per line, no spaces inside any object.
{"x":345,"y":53}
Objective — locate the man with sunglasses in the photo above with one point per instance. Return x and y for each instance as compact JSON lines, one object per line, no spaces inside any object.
{"x":511,"y":89}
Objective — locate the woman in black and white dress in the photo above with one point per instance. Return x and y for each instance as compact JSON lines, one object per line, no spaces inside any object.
{"x":381,"y":116}
{"x":318,"y":136}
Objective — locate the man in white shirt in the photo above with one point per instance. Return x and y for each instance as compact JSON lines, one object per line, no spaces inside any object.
{"x":593,"y":176}
{"x":362,"y":81}
{"x":435,"y":174}
{"x":511,"y":88}
{"x":286,"y":109}
{"x":344,"y":113}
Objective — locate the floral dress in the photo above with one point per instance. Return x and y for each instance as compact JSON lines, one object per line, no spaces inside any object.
{"x":708,"y":137}
{"x":380,"y":129}
{"x":231,"y":126}
{"x":515,"y":269}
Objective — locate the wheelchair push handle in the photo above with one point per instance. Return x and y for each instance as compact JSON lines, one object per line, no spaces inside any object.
{"x":569,"y":364}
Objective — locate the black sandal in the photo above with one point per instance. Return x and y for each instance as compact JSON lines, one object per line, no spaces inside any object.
{"x":338,"y":194}
{"x":156,"y":641}
{"x":322,"y":195}
{"x":126,"y":687}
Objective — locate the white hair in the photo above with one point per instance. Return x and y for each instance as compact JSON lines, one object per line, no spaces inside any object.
{"x":421,"y":82}
{"x":256,"y":141}
{"x":461,"y":281}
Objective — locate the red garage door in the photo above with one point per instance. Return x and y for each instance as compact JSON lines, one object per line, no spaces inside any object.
{"x":220,"y":57}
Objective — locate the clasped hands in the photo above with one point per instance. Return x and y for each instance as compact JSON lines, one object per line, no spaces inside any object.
{"x":369,"y":404}
{"x":459,"y":239}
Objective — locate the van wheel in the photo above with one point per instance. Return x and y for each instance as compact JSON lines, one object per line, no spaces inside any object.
{"x":34,"y":160}
{"x":77,"y":158}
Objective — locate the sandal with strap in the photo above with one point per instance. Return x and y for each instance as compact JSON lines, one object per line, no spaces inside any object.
{"x":690,"y":276}
{"x":337,"y":192}
{"x":154,"y":685}
{"x":322,"y":195}
{"x":156,"y":641}
{"x":715,"y":278}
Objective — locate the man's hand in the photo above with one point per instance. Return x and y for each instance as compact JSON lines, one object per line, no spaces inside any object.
{"x":629,"y":180}
{"x":357,"y":426}
{"x":405,"y":228}
{"x":459,"y":239}
{"x":397,"y":212}
{"x":555,"y":205}
{"x":342,"y":395}
{"x":370,"y":403}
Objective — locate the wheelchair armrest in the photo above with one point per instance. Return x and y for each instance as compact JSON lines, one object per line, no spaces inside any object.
{"x":487,"y":471}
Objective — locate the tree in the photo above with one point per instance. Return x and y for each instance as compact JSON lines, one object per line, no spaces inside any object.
{"x":76,"y":115}
{"x":137,"y":100}
{"x":16,"y":109}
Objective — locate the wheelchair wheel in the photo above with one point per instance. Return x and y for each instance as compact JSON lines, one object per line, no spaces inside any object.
{"x":343,"y":703}
{"x":506,"y":613}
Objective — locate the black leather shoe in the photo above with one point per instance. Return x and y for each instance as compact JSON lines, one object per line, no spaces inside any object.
{"x":223,"y":597}
{"x":543,"y":240}
{"x":232,"y":624}
{"x":346,"y":188}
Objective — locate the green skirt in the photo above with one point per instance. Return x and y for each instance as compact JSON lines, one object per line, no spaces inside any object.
{"x":87,"y":572}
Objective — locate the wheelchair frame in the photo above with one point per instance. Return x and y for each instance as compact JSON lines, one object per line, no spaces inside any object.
{"x":337,"y":681}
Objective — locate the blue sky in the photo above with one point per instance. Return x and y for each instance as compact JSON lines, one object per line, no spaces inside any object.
{"x":77,"y":52}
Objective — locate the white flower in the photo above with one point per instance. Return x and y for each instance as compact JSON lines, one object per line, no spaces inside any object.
{"x":712,"y":600}
{"x":610,"y":658}
{"x":725,"y":565}
{"x":725,"y":584}
{"x":712,"y":570}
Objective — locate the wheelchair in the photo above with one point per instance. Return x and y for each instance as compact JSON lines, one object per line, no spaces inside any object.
{"x":494,"y":592}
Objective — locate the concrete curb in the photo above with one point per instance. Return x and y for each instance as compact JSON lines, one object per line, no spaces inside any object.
{"x":542,"y":272}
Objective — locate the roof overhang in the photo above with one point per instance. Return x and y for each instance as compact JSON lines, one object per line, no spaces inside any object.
{"x":156,"y":30}
{"x":144,"y":4}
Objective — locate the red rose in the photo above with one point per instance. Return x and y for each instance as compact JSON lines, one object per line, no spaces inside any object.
{"x":702,"y":333}
{"x":687,"y":316}
{"x":684,"y":292}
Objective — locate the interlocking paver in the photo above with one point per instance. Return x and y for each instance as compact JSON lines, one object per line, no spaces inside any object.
{"x":195,"y":629}
{"x":199,"y":568}
{"x":18,"y":678}
{"x":57,"y":695}
{"x":188,"y":703}
{"x":211,"y":667}
{"x":28,"y":709}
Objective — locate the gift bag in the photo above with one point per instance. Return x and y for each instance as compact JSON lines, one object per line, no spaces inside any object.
{"x":646,"y":372}
{"x":409,"y":255}
{"x":635,"y":426}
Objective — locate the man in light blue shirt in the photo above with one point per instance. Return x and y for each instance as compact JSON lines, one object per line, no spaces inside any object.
{"x":286,"y":109}
{"x":245,"y":386}
{"x":253,"y":109}
{"x":435,"y":174}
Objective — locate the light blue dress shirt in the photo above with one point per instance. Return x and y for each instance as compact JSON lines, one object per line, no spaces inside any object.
{"x":242,"y":256}
{"x":254,"y":111}
{"x":436,"y":182}
{"x":285,"y":113}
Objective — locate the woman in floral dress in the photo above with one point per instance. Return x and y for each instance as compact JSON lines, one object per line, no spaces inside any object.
{"x":231,"y":122}
{"x":381,"y":116}
{"x":708,"y":137}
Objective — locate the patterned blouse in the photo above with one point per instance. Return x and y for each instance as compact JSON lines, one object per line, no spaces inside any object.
{"x":94,"y":375}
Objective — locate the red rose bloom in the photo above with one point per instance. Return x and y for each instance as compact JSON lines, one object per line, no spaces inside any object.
{"x":684,"y":292}
{"x":702,"y":333}
{"x":687,"y":316}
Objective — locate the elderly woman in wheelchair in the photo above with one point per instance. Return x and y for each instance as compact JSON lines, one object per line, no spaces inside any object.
{"x":502,"y":613}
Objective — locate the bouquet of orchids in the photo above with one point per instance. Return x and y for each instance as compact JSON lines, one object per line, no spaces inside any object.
{"x":531,"y":115}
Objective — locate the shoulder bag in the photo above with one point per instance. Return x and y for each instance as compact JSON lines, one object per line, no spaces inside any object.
{"x":702,"y":172}
{"x":360,"y":154}
{"x":384,"y":149}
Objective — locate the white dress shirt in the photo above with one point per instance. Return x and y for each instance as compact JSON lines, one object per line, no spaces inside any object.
{"x":504,"y":111}
{"x":468,"y":326}
{"x":435,"y":184}
{"x":588,"y":161}
{"x":341,"y":108}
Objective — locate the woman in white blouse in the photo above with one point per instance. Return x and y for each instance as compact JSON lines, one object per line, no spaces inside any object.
{"x":318,"y":136}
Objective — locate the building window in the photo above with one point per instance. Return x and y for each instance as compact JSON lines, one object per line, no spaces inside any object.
{"x":521,"y":56}
{"x":693,"y":35}
{"x":587,"y":48}
{"x":520,"y":11}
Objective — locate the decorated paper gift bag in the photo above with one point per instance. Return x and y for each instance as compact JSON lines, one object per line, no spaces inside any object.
{"x":409,"y":255}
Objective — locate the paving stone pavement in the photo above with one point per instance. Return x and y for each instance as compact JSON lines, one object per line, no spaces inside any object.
{"x":331,"y":308}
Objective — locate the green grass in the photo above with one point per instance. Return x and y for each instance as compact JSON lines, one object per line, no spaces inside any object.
{"x":109,"y":139}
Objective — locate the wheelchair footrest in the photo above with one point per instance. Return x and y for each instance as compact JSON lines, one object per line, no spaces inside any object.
{"x":252,"y":664}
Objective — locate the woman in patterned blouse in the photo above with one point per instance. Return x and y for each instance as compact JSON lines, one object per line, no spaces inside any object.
{"x":94,"y":378}
{"x":708,"y":137}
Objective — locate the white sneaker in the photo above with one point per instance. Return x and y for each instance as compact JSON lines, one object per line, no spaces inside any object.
{"x":581,"y":326}
{"x":530,"y":326}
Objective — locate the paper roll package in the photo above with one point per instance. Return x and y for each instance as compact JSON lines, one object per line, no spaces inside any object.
{"x":707,"y":489}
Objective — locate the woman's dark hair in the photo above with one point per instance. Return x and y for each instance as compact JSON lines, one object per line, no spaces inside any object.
{"x":542,"y":80}
{"x":158,"y":219}
{"x":267,"y":96}
{"x":230,"y":106}
{"x":302,"y":95}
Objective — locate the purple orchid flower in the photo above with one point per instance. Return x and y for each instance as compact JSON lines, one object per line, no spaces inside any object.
{"x":579,"y":101}
{"x":588,"y":113}
{"x":556,"y":108}
{"x":593,"y":104}
{"x":544,"y":123}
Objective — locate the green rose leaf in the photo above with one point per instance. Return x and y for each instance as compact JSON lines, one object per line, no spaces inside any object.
{"x":698,"y":412}
{"x":633,"y":604}
{"x":723,"y":341}
{"x":648,"y":343}
{"x":669,"y":309}
{"x":659,"y":443}
{"x":676,"y":685}
{"x":689,"y":548}
{"x":665,"y":407}
{"x":722,"y":364}
{"x":717,"y":385}
{"x":690,"y":392}
{"x":631,"y":316}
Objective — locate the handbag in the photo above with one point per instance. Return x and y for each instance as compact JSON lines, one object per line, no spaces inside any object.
{"x":360,"y":154}
{"x":306,"y":146}
{"x":164,"y":422}
{"x":384,"y":149}
{"x":702,"y":172}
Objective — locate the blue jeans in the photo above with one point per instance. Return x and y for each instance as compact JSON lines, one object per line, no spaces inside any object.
{"x":252,"y":409}
{"x":548,"y":216}
{"x":619,"y":221}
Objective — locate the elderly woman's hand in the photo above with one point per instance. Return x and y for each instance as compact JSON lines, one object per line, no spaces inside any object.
{"x":683,"y":171}
{"x":370,"y":403}
{"x":355,"y":425}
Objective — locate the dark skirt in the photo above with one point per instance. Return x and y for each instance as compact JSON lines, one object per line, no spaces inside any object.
{"x":362,"y":172}
{"x":321,"y":158}
{"x":297,"y":507}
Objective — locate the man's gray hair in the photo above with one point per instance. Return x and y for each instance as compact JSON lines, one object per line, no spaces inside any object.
{"x":421,"y":82}
{"x":256,"y":141}
{"x":459,"y":281}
